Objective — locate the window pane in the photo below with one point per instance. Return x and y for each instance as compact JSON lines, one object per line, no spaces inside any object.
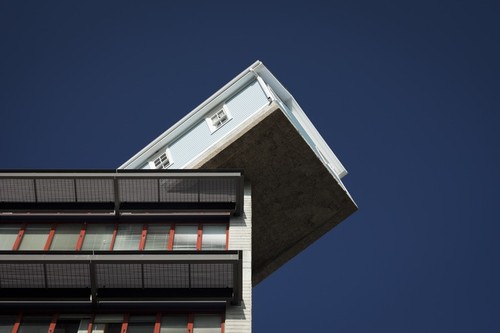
{"x":35,"y":237}
{"x":34,"y":325}
{"x":66,"y":237}
{"x":67,"y":326}
{"x":98,"y":237}
{"x":128,"y":237}
{"x":157,"y":237}
{"x":6,"y":323}
{"x":142,"y":324}
{"x":185,"y":237}
{"x":84,"y":326}
{"x":174,"y":324}
{"x":107,"y":323}
{"x":107,"y":328}
{"x":207,"y":324}
{"x":214,"y":237}
{"x":8,"y":235}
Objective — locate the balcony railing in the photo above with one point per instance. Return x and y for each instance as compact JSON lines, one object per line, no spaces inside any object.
{"x":100,"y":277}
{"x":119,"y":192}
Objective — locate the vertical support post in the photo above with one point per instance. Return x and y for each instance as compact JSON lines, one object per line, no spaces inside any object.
{"x":93,"y":282}
{"x":117,"y":195}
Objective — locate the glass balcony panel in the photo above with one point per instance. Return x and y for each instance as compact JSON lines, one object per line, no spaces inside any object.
{"x":207,"y":324}
{"x":34,"y":325}
{"x":174,"y":324}
{"x":6,"y":323}
{"x":141,"y":324}
{"x":66,"y":237}
{"x":214,"y":237}
{"x":185,"y":237}
{"x":8,"y":235}
{"x":35,"y":237}
{"x":98,"y":237}
{"x":128,"y":237}
{"x":157,"y":237}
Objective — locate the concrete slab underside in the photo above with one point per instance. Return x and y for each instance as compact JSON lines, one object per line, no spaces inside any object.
{"x":295,"y":200}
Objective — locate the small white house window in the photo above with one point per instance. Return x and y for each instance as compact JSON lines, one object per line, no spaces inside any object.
{"x":218,"y":119}
{"x":163,"y":161}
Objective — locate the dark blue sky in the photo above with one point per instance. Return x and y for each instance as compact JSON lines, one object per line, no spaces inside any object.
{"x":405,"y":93}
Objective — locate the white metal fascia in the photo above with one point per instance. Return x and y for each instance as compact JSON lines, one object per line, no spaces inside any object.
{"x":300,"y":115}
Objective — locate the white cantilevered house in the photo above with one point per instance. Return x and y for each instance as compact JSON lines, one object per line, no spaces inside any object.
{"x":175,"y":239}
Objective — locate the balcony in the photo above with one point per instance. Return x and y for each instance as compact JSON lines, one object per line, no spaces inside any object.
{"x":97,"y":278}
{"x":119,"y":193}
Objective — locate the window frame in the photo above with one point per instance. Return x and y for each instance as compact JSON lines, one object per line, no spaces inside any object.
{"x":214,"y":128}
{"x":161,"y":166}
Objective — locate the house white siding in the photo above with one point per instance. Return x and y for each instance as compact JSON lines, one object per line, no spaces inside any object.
{"x":199,"y":138}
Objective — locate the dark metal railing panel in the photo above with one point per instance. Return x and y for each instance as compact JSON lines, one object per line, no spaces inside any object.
{"x":100,"y":192}
{"x":212,"y":275}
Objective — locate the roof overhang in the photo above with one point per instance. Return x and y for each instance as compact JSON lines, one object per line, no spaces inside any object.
{"x":295,"y":197}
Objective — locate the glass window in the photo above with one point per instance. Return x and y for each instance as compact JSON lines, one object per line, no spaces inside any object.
{"x":174,"y":324}
{"x":35,"y":237}
{"x":34,"y":325}
{"x":84,"y":326}
{"x":107,"y":324}
{"x":207,"y":324}
{"x":98,"y":237}
{"x":6,"y":323}
{"x":67,"y":326}
{"x":141,"y":324}
{"x":214,"y":237}
{"x":8,"y":235}
{"x":157,"y":237}
{"x":66,"y":237}
{"x":185,"y":237}
{"x":128,"y":237}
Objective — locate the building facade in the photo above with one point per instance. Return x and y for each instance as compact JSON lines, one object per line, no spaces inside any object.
{"x":176,"y":237}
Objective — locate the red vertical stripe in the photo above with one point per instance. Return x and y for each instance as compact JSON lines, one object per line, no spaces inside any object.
{"x":125,"y":324}
{"x":113,"y":238}
{"x":79,"y":243}
{"x":157,"y":323}
{"x":171,"y":237}
{"x":227,"y":236}
{"x":143,"y":237}
{"x":19,"y":238}
{"x":52,"y":232}
{"x":200,"y":233}
{"x":53,"y":322}
{"x":15,"y":328}
{"x":190,"y":323}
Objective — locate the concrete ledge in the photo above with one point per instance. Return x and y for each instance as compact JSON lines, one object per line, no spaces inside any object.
{"x":295,"y":199}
